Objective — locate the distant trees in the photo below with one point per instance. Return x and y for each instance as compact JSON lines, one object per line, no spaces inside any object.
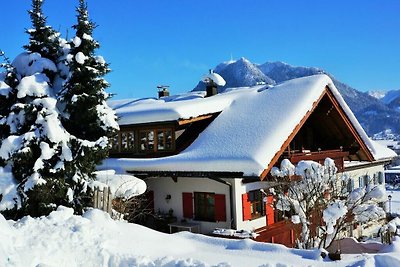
{"x":52,"y":158}
{"x":320,"y":201}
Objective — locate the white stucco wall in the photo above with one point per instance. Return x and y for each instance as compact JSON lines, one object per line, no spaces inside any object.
{"x":366,"y":170}
{"x":166,"y":186}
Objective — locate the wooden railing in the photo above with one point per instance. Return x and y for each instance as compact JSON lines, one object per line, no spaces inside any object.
{"x":319,"y":156}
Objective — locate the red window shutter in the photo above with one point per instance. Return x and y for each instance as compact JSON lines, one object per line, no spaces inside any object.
{"x":269,"y":210}
{"x":220,"y":208}
{"x":187,"y":204}
{"x":246,"y":206}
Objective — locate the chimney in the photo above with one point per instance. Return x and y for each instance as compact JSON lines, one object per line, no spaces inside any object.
{"x":163,"y":91}
{"x":211,"y":86}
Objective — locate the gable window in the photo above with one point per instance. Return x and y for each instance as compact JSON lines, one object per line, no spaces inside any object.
{"x":204,"y":206}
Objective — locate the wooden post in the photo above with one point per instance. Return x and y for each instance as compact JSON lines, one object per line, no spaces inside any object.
{"x":102,"y":199}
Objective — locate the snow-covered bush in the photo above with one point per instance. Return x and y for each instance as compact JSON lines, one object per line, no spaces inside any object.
{"x":320,"y":204}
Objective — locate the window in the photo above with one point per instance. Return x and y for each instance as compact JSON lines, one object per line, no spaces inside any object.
{"x":360,"y":181}
{"x":204,"y":206}
{"x":257,"y":206}
{"x":375,"y":179}
{"x":366,"y":180}
{"x":164,"y":139}
{"x":350,"y":185}
{"x":127,"y":141}
{"x":143,"y":141}
{"x":114,"y":143}
{"x":380,"y":178}
{"x":146,"y":140}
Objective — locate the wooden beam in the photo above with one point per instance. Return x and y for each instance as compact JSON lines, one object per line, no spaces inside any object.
{"x":199,"y":118}
{"x":290,"y":138}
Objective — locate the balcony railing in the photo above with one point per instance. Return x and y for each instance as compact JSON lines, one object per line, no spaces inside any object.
{"x":337,"y":155}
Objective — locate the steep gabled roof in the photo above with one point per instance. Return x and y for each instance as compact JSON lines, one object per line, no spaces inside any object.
{"x":252,"y":127}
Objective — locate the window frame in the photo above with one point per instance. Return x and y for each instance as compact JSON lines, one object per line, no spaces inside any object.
{"x":257,"y":204}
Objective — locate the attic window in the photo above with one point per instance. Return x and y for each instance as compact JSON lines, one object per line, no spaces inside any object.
{"x":146,"y":140}
{"x":139,"y":141}
{"x":153,"y":140}
{"x":164,"y":139}
{"x":127,"y":141}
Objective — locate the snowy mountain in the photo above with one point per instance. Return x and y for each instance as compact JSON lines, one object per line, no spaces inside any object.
{"x":375,"y":115}
{"x":378,"y":94}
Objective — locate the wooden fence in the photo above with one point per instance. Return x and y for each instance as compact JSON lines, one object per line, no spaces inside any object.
{"x":102,"y":199}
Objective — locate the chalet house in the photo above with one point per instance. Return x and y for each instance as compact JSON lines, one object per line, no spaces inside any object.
{"x":205,"y":156}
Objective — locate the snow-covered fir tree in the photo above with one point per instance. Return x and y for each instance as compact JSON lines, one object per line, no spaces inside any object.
{"x":37,"y":143}
{"x":86,"y":113}
{"x":50,"y":165}
{"x":43,"y":39}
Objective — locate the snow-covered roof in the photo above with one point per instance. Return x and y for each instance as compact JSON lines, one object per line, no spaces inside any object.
{"x":252,"y":126}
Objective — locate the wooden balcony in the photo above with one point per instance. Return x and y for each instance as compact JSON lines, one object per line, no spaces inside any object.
{"x":283,"y":232}
{"x":337,"y":155}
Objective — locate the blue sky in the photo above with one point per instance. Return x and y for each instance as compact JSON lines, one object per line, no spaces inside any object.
{"x":175,"y":42}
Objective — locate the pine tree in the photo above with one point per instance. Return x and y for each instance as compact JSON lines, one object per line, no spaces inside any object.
{"x":35,"y":145}
{"x":88,"y":117}
{"x":43,"y":39}
{"x":55,"y":119}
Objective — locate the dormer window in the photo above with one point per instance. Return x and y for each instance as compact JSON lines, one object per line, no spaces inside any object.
{"x":146,"y":140}
{"x":139,"y":141}
{"x":153,"y":140}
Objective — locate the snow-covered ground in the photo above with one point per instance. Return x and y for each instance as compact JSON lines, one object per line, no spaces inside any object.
{"x":94,"y":239}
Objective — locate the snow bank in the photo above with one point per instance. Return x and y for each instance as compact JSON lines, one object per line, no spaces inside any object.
{"x":64,"y":239}
{"x":94,"y":239}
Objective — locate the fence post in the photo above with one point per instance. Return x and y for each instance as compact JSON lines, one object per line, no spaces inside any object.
{"x":102,"y":199}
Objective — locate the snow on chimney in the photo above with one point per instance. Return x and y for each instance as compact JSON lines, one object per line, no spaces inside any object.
{"x":212,"y":81}
{"x":163,"y":91}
